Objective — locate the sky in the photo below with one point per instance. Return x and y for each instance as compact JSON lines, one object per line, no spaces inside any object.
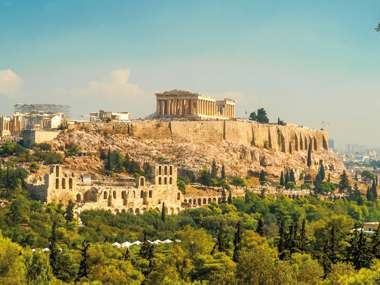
{"x":315,"y":63}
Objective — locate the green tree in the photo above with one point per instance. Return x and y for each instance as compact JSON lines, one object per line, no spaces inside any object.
{"x":237,"y":240}
{"x":12,"y":267}
{"x":321,"y":171}
{"x":53,"y":247}
{"x":260,"y":227}
{"x":38,"y":269}
{"x":309,"y":160}
{"x":223,"y":172}
{"x":214,"y":169}
{"x":260,"y":116}
{"x":69,"y":215}
{"x":163,"y":213}
{"x":262,"y":177}
{"x":344,"y":183}
{"x":84,"y":266}
{"x":282,"y":182}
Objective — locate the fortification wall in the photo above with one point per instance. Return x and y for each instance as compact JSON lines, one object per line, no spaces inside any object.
{"x":286,"y":139}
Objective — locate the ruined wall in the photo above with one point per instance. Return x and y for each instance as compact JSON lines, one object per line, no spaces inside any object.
{"x":286,"y":139}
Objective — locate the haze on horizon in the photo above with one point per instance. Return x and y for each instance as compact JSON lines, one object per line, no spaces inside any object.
{"x":315,"y":63}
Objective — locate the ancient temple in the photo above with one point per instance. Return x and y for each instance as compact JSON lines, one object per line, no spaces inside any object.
{"x":185,"y":104}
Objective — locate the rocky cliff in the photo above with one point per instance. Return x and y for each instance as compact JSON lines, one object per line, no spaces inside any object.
{"x":241,"y":146}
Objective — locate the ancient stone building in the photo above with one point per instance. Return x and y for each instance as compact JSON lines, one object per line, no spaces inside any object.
{"x":184,"y":104}
{"x":134,"y":196}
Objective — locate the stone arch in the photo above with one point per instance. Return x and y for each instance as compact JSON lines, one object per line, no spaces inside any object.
{"x":57,"y":183}
{"x":142,"y":181}
{"x":178,"y":210}
{"x":137,"y":211}
{"x":105,"y":195}
{"x":194,"y":201}
{"x":199,"y":201}
{"x":90,"y":195}
{"x":214,"y":200}
{"x":78,"y":198}
{"x":170,"y":180}
{"x":114,"y":194}
{"x":70,"y":183}
{"x":63,"y":183}
{"x":204,"y":201}
{"x":189,"y":201}
{"x":171,"y":211}
{"x":57,"y":171}
{"x":179,"y":196}
{"x":123,"y":211}
{"x":209,"y":200}
{"x":166,"y":170}
{"x":117,"y":211}
{"x":130,"y":210}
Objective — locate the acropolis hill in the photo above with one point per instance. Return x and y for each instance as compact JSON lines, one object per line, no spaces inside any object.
{"x":242,"y":146}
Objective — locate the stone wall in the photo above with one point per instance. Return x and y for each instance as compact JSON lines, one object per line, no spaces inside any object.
{"x":31,"y":137}
{"x":286,"y":139}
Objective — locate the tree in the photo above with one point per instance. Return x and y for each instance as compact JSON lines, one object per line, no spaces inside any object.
{"x":281,"y":245}
{"x":163,"y":213}
{"x":359,"y":253}
{"x":108,"y":167}
{"x":262,"y":177}
{"x":260,"y":227}
{"x":344,"y":183}
{"x":223,"y":172}
{"x":38,"y":269}
{"x":321,"y":171}
{"x":237,"y":240}
{"x":214,"y":169}
{"x":282,"y":182}
{"x":372,"y":191}
{"x":260,"y":116}
{"x":69,"y":215}
{"x":53,"y":247}
{"x":148,"y":171}
{"x":12,"y":267}
{"x":302,"y":237}
{"x":292,"y":177}
{"x":309,"y":159}
{"x":84,"y":267}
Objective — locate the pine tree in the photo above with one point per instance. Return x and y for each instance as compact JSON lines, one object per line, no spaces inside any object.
{"x":309,"y":160}
{"x":53,"y":248}
{"x":260,"y":227}
{"x":358,"y":252}
{"x":69,"y":215}
{"x":163,"y":213}
{"x":282,"y":182}
{"x":237,"y":240}
{"x":214,"y":170}
{"x":223,"y":172}
{"x":83,"y":267}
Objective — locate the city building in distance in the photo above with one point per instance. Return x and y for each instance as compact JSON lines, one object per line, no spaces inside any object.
{"x":186,"y":104}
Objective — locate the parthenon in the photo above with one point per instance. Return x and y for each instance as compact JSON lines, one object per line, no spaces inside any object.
{"x":178,"y":103}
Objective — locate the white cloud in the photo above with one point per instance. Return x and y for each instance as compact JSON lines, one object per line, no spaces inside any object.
{"x":115,"y":84}
{"x":10,"y":82}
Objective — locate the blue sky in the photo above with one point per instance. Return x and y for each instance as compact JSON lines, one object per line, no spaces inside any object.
{"x":306,"y":61}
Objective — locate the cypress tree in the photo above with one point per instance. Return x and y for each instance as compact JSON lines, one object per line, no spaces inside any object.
{"x":229,"y":199}
{"x":262,"y":177}
{"x":282,"y":182}
{"x":83,"y":267}
{"x":292,"y":177}
{"x":302,"y":237}
{"x":321,"y":171}
{"x":163,"y":213}
{"x":332,"y":245}
{"x":214,"y":169}
{"x":53,"y":248}
{"x":260,"y":227}
{"x":127,"y":254}
{"x":344,"y":183}
{"x":223,"y":172}
{"x":281,"y":246}
{"x":375,"y":243}
{"x":108,"y":165}
{"x":69,"y":215}
{"x":287,"y":179}
{"x":309,"y":160}
{"x":358,"y":252}
{"x":237,"y":240}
